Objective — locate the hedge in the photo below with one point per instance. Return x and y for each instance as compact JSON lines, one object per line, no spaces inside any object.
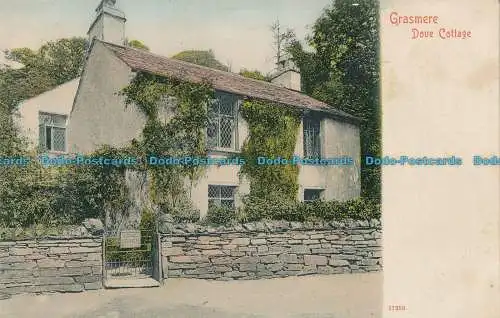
{"x":256,"y":209}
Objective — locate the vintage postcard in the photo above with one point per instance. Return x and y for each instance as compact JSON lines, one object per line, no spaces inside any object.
{"x":227,"y":158}
{"x":440,"y":98}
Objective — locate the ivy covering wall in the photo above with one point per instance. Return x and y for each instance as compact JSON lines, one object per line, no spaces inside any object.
{"x":273,"y":131}
{"x":182,"y":134}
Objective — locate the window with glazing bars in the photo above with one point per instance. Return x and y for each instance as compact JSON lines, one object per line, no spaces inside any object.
{"x":312,"y":138}
{"x":222,"y":196}
{"x":221,"y":130}
{"x":311,"y":195}
{"x":52,"y":132}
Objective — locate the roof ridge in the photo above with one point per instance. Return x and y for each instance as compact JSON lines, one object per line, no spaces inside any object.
{"x":228,"y":81}
{"x":193,"y":64}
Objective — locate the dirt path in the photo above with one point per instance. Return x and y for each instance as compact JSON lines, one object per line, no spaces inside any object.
{"x":333,"y":296}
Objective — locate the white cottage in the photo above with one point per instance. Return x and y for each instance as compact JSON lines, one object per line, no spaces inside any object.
{"x":43,"y":119}
{"x":99,"y":116}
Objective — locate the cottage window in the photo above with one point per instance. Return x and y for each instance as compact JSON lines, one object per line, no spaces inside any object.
{"x":312,"y":139}
{"x":311,"y":195}
{"x":52,"y":132}
{"x":221,"y":196}
{"x":221,"y":130}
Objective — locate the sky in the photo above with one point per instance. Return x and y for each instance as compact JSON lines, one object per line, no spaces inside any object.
{"x":238,"y":31}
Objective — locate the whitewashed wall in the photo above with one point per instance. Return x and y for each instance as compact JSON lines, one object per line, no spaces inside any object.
{"x":99,"y":116}
{"x":56,"y":101}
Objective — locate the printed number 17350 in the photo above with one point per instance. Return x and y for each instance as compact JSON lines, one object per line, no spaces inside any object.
{"x":397,"y":308}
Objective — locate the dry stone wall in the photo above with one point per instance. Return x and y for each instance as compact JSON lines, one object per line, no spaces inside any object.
{"x":67,"y":263}
{"x":271,"y":249}
{"x":50,"y":266}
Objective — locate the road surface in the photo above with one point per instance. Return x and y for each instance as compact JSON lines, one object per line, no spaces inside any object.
{"x":329,"y":296}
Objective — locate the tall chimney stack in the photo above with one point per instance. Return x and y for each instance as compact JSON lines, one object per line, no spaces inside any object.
{"x":109,"y":23}
{"x":287,"y":75}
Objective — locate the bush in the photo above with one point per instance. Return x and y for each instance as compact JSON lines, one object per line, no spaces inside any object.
{"x":358,"y":209}
{"x":256,"y":209}
{"x":30,"y":195}
{"x":186,"y":216}
{"x":183,"y":211}
{"x":275,"y":207}
{"x":35,"y":194}
{"x":220,"y":215}
{"x":148,"y":220}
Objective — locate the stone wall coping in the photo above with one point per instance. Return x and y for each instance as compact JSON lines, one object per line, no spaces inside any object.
{"x":41,"y":239}
{"x":89,"y":229}
{"x":193,"y":229}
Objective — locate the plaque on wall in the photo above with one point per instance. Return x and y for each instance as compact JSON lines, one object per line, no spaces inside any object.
{"x":130,"y":239}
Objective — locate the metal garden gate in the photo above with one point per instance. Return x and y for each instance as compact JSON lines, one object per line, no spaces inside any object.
{"x":130,"y":254}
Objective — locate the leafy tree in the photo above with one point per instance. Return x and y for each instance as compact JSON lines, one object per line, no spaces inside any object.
{"x":343,"y":71}
{"x":254,"y":74}
{"x":282,"y":39}
{"x":137,"y":44}
{"x":203,"y":58}
{"x":53,"y":64}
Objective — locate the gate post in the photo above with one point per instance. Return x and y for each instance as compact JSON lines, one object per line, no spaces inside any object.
{"x":104,"y":274}
{"x":160,"y":259}
{"x":156,"y":258}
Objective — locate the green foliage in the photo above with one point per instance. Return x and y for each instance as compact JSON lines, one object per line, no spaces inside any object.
{"x":254,"y":74}
{"x":11,"y":144}
{"x":148,"y":220}
{"x":97,"y":189}
{"x":46,"y":195}
{"x":272,"y":133}
{"x":147,"y":226}
{"x":257,"y":209}
{"x":271,"y":207}
{"x":68,"y":194}
{"x":220,"y":215}
{"x":28,"y":195}
{"x":35,"y":194}
{"x":138,"y":45}
{"x":53,"y":64}
{"x":145,"y":92}
{"x":182,"y":135}
{"x":343,"y":71}
{"x":182,"y":209}
{"x":134,"y":258}
{"x":203,"y":58}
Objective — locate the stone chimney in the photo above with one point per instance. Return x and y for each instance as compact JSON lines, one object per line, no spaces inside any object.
{"x":287,"y":75}
{"x":109,"y":23}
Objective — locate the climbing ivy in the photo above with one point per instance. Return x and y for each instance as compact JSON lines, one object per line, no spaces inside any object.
{"x":273,"y":132}
{"x":176,"y":118}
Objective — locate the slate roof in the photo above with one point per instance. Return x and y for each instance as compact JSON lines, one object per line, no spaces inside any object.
{"x":140,"y":60}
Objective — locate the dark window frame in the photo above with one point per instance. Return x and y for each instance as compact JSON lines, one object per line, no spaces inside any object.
{"x":222,"y":130}
{"x":221,"y":195}
{"x":311,"y":195}
{"x":48,"y":125}
{"x":312,"y":136}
